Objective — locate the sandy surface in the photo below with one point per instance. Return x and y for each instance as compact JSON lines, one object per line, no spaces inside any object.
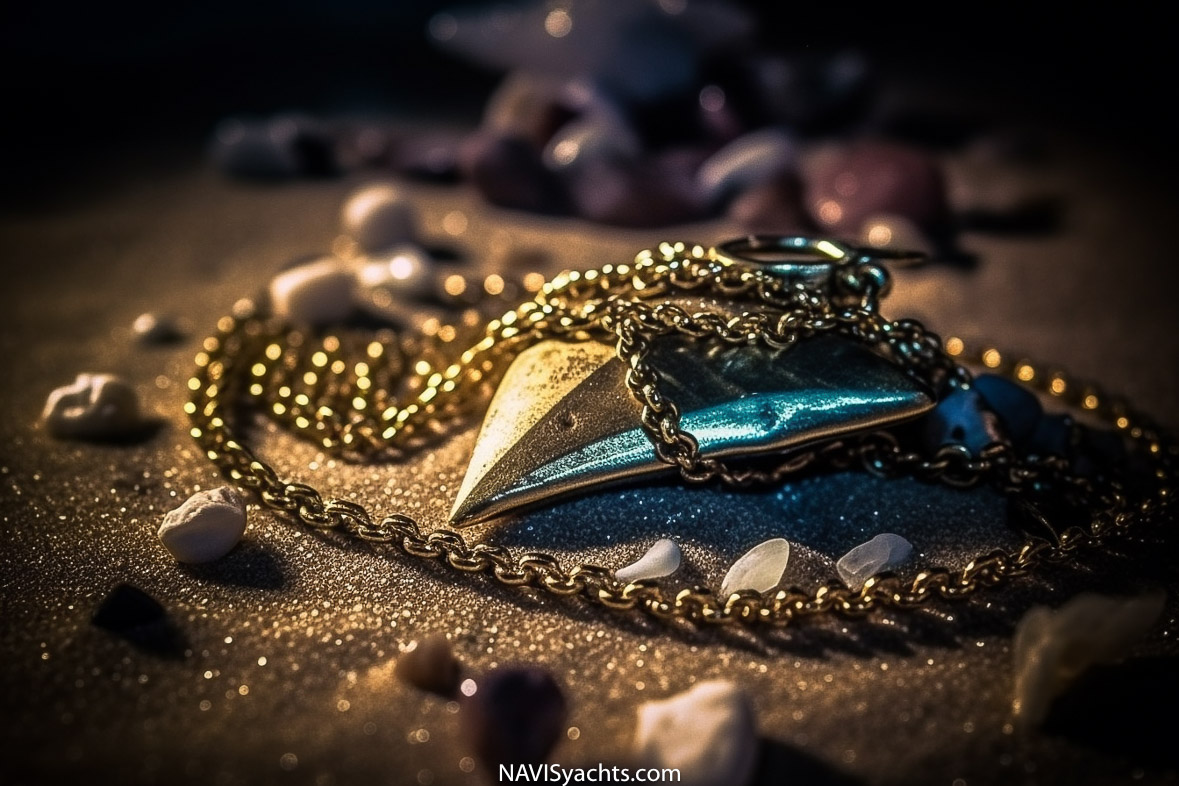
{"x":282,"y":669}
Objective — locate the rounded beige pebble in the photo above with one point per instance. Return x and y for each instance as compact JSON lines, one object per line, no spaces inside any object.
{"x":316,"y":293}
{"x":206,"y":526}
{"x":378,"y":217}
{"x":95,"y":406}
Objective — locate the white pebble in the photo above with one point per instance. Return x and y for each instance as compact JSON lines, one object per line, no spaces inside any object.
{"x":404,"y":270}
{"x":662,"y":559}
{"x":1052,"y":648}
{"x":316,"y":293}
{"x":746,"y":161}
{"x":378,"y":217}
{"x":759,"y":569}
{"x":884,"y":552}
{"x":95,"y":406}
{"x":152,"y":328}
{"x":708,"y":733}
{"x":206,"y":526}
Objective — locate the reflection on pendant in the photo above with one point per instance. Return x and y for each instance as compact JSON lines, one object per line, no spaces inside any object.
{"x":563,"y":419}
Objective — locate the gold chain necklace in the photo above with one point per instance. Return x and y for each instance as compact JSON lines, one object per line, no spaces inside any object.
{"x":337,"y":389}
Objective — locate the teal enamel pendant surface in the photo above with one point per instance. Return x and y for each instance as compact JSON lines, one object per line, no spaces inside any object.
{"x":564,"y":421}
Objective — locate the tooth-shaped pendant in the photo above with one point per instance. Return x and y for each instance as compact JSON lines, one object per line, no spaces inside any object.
{"x":564,"y":420}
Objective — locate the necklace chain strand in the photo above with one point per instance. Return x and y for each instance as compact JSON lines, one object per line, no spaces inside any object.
{"x":338,"y":393}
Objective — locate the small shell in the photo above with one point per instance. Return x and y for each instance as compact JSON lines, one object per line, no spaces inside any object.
{"x":206,"y":526}
{"x":662,"y":559}
{"x":759,"y":569}
{"x":708,"y":733}
{"x":95,"y":406}
{"x":884,"y":552}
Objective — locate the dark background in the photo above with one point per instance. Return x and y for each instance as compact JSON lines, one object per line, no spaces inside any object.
{"x":85,"y":83}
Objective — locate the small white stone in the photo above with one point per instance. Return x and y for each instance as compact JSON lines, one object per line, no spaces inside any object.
{"x":315,"y":293}
{"x":1052,"y":648}
{"x":152,"y":328}
{"x":95,"y":406}
{"x":884,"y":552}
{"x":404,"y":270}
{"x":206,"y":526}
{"x":662,"y":559}
{"x":708,"y":733}
{"x":759,"y":569}
{"x":746,"y":161}
{"x":378,"y":217}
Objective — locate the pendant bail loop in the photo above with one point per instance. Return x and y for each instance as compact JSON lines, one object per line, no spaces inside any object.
{"x":838,"y":267}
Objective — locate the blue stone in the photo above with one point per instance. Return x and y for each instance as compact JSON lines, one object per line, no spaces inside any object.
{"x":961,"y":418}
{"x":1018,"y":408}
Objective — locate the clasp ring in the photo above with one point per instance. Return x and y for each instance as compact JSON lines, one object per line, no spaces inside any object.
{"x":804,"y":258}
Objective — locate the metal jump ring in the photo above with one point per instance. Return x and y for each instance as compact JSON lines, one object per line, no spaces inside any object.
{"x":803,"y":257}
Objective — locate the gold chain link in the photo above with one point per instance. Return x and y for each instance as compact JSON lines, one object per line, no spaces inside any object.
{"x":337,"y":390}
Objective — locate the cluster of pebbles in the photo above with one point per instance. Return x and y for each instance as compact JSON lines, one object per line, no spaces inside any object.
{"x":762,"y":567}
{"x":385,"y":258}
{"x":383,"y":272}
{"x":647,"y":115}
